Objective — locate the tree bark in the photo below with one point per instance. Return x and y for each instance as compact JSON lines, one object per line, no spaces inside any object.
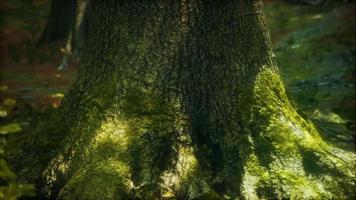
{"x":183,"y":100}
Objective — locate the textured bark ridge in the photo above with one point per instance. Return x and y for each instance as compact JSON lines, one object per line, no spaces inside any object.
{"x":183,"y":100}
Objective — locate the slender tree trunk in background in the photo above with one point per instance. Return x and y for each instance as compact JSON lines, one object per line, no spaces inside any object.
{"x":67,"y":20}
{"x":183,"y":100}
{"x":76,"y":40}
{"x":80,"y":33}
{"x":60,"y":21}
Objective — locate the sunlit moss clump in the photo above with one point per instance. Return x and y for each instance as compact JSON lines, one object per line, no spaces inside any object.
{"x":105,"y":163}
{"x":125,"y":160}
{"x":289,"y":158}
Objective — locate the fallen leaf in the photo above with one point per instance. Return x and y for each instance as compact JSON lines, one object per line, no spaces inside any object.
{"x":10,"y":128}
{"x":226,"y":196}
{"x":3,"y":113}
{"x":5,"y":171}
{"x":295,"y":46}
{"x":317,"y":16}
{"x":56,"y":103}
{"x":57,"y":95}
{"x":3,"y":88}
{"x":9,"y":102}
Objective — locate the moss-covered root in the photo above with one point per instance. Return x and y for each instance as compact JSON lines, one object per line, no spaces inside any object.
{"x":288,"y":157}
{"x":106,"y":179}
{"x":96,"y":169}
{"x":126,"y":158}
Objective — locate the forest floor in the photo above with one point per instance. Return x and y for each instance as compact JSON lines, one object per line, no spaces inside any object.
{"x":315,"y":47}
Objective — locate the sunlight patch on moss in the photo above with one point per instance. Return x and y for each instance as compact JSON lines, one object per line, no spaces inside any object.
{"x":180,"y":176}
{"x":251,"y":178}
{"x":292,"y":174}
{"x":57,"y":164}
{"x":100,"y":180}
{"x":186,"y":161}
{"x":192,"y":181}
{"x":104,"y":164}
{"x":113,"y":130}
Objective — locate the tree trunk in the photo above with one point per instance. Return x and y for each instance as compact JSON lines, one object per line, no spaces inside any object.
{"x":60,"y":22}
{"x":77,"y":38}
{"x":68,"y":20}
{"x":183,"y":100}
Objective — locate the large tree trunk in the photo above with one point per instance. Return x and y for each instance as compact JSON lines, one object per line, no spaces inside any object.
{"x":244,"y":129}
{"x":183,"y":100}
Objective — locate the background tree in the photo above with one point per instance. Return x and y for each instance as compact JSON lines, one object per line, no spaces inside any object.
{"x":67,"y":21}
{"x":60,"y":21}
{"x":183,"y":99}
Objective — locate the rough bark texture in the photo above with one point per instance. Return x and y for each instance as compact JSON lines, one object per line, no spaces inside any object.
{"x":183,"y":100}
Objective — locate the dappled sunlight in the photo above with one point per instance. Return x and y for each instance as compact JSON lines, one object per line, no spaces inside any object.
{"x":180,"y":99}
{"x":113,"y":130}
{"x":185,"y":166}
{"x":301,"y":162}
{"x":57,"y":167}
{"x":253,"y":173}
{"x":104,"y":163}
{"x":186,"y":162}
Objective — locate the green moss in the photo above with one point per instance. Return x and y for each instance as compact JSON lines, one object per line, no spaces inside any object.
{"x":300,"y":161}
{"x":124,"y":157}
{"x":108,"y":179}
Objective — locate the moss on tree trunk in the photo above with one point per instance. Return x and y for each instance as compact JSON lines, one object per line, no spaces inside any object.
{"x":183,"y":100}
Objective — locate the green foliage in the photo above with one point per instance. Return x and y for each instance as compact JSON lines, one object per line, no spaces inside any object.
{"x":10,"y":128}
{"x":13,"y":191}
{"x":5,"y":171}
{"x":10,"y":188}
